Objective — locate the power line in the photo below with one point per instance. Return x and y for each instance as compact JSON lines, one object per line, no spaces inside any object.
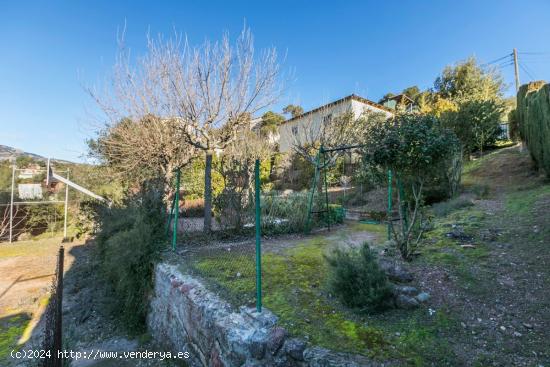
{"x":524,"y":68}
{"x":497,"y":60}
{"x":508,"y":63}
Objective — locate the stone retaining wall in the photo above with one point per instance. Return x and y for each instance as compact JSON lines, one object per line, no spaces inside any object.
{"x":186,"y":317}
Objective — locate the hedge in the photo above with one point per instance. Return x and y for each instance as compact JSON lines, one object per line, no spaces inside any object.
{"x":533,"y":112}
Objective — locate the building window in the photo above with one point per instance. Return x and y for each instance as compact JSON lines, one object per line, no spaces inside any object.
{"x":327,"y":118}
{"x":294,"y":130}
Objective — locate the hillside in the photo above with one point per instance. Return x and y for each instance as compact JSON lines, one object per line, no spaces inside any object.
{"x":9,"y":153}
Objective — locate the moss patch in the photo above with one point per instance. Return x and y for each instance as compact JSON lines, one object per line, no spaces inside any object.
{"x":294,"y":288}
{"x":439,"y":249}
{"x":11,"y":329}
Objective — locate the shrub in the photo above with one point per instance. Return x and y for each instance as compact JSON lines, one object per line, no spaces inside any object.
{"x":444,"y":208}
{"x":356,"y":278}
{"x":284,"y":214}
{"x":533,"y":114}
{"x":336,"y":214}
{"x":129,"y":244}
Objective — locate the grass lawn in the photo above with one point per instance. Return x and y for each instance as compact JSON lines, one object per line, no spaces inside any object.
{"x":294,"y":288}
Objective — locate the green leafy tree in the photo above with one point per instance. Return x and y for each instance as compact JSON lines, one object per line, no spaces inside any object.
{"x":293,"y":110}
{"x":467,"y":81}
{"x":270,"y":122}
{"x":416,"y":148}
{"x":412,"y":92}
{"x":476,"y":123}
{"x":468,"y":98}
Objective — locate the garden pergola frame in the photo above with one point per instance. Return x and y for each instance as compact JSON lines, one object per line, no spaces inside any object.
{"x":321,"y":165}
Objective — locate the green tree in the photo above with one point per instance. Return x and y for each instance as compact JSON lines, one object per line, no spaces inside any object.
{"x":412,"y":92}
{"x":476,"y":123}
{"x":293,"y":110}
{"x":467,"y":81}
{"x":468,"y":98}
{"x":416,"y":148}
{"x":270,"y":122}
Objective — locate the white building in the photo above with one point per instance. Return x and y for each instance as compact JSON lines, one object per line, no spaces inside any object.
{"x":311,"y":121}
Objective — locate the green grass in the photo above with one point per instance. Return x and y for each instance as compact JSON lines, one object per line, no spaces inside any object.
{"x":521,"y":203}
{"x":438,"y":249}
{"x":295,"y":289}
{"x":11,"y":329}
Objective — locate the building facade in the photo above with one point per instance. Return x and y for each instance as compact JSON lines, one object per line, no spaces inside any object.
{"x":296,"y":128}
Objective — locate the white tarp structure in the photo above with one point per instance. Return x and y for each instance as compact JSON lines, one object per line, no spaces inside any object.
{"x":29,"y":191}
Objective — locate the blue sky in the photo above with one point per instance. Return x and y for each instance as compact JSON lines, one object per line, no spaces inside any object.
{"x":49,"y":49}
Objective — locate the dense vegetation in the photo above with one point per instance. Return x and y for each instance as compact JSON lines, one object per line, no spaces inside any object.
{"x":469,"y":100}
{"x":129,"y":243}
{"x":533,"y":114}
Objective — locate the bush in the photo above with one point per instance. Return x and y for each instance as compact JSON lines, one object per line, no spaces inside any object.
{"x":356,"y":278}
{"x":336,"y":214}
{"x":129,"y":244}
{"x":446,"y":207}
{"x":284,"y":214}
{"x":533,"y":113}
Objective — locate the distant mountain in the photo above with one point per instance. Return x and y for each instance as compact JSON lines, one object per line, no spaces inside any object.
{"x":12,"y":153}
{"x":9,"y":153}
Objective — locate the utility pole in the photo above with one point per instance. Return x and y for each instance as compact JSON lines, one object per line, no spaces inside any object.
{"x":516,"y":69}
{"x":11,"y":201}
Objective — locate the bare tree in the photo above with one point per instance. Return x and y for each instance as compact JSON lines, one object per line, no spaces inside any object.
{"x":331,"y":132}
{"x":237,"y":170}
{"x":140,"y":149}
{"x":214,"y":88}
{"x":210,"y":90}
{"x":18,"y":219}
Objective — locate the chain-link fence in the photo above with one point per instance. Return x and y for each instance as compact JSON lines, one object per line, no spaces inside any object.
{"x":228,"y":257}
{"x":53,"y":327}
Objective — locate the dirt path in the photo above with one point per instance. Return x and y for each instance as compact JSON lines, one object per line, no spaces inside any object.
{"x":26,"y":271}
{"x":501,"y":294}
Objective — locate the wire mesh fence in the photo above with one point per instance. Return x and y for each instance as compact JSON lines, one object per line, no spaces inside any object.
{"x":53,"y":327}
{"x":229,"y":257}
{"x":36,"y":219}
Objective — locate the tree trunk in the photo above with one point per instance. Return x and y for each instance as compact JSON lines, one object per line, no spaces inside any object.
{"x":208,"y":193}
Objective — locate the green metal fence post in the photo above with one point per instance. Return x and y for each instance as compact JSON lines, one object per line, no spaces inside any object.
{"x":322,"y":151}
{"x":170,"y":216}
{"x":258,"y":237}
{"x":176,"y":210}
{"x":312,"y":192}
{"x":389,"y":203}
